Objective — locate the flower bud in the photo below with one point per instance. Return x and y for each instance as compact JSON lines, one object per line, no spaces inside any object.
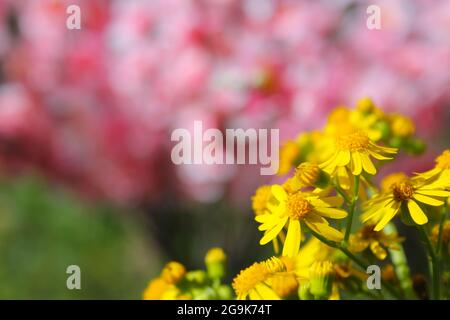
{"x":304,"y":291}
{"x":173,"y":272}
{"x":321,"y":279}
{"x":309,"y":174}
{"x":215,"y":263}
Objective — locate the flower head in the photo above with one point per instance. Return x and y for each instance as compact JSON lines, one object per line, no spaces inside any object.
{"x":441,"y":171}
{"x":354,"y":151}
{"x":173,"y":272}
{"x":254,"y":281}
{"x":292,"y":209}
{"x":401,"y":126}
{"x":377,"y":242}
{"x":407,"y":193}
{"x":159,"y":289}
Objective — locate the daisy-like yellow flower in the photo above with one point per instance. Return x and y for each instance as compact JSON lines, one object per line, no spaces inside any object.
{"x":440,"y":172}
{"x":261,"y":198}
{"x":291,"y":210}
{"x":401,"y":126}
{"x":354,"y":151}
{"x":164,"y":286}
{"x":254,"y":281}
{"x":364,"y":117}
{"x":377,"y":242}
{"x":159,"y":289}
{"x":173,"y":272}
{"x":407,"y":193}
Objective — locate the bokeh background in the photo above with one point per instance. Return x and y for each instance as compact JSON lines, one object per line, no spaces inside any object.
{"x":86,"y":117}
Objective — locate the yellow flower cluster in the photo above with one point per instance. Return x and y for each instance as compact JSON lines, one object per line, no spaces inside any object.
{"x":329,"y":220}
{"x":175,"y":282}
{"x":332,"y":172}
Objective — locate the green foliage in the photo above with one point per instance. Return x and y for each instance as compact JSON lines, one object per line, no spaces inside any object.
{"x":43,"y":230}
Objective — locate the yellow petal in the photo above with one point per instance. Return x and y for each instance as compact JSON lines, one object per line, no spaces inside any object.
{"x":323,"y":229}
{"x":271,"y":234}
{"x":428,"y":200}
{"x":343,"y":158}
{"x":387,"y":214}
{"x":269,"y":224}
{"x":356,"y":163}
{"x":367,"y":164}
{"x":263,"y":218}
{"x":254,"y":295}
{"x":378,"y":250}
{"x":266,"y":293}
{"x":435,"y":193}
{"x":416,"y":213}
{"x":279,"y":193}
{"x":331,"y":212}
{"x":334,"y":201}
{"x":293,"y":238}
{"x":384,"y":149}
{"x":378,"y":156}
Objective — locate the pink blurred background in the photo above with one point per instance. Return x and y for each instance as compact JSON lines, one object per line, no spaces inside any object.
{"x":93,"y":109}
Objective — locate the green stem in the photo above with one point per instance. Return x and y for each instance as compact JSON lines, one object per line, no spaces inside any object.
{"x":441,"y":227}
{"x":341,"y":193}
{"x":434,"y":262}
{"x":400,"y":263}
{"x":351,"y":213}
{"x":354,"y":258}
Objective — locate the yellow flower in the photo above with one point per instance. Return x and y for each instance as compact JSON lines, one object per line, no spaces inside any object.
{"x":164,"y":287}
{"x":383,"y":207}
{"x":295,"y":208}
{"x":254,"y":281}
{"x":159,"y":289}
{"x":173,"y":272}
{"x":215,"y":255}
{"x":375,"y":241}
{"x":401,"y":126}
{"x":354,"y":151}
{"x":441,"y":171}
{"x":261,"y":199}
{"x":215,"y":263}
{"x":365,"y":117}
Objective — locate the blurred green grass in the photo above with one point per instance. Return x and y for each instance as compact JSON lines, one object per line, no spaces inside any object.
{"x":43,"y":230}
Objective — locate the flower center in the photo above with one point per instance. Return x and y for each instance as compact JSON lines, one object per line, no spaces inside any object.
{"x":367,"y":232}
{"x":403,"y":191}
{"x":443,"y":161}
{"x":356,"y":141}
{"x":390,"y":180}
{"x":298,"y":207}
{"x":247,"y":279}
